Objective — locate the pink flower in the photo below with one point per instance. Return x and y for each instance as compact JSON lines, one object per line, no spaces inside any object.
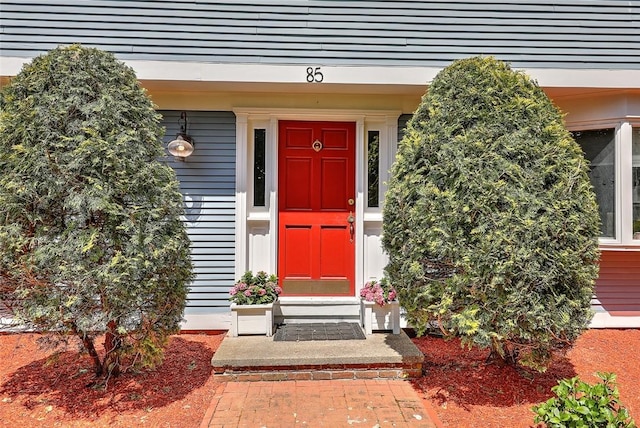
{"x":380,"y":292}
{"x":255,"y":289}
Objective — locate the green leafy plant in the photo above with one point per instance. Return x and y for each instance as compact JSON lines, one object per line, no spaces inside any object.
{"x":490,"y":221}
{"x":579,"y":404}
{"x":91,"y":240}
{"x":257,"y":289}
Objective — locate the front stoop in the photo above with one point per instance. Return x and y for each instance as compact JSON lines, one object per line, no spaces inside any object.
{"x":260,"y":358}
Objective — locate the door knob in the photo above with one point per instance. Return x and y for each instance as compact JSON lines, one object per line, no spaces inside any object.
{"x":351,"y":220}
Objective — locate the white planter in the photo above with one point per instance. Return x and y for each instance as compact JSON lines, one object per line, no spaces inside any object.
{"x":252,"y":319}
{"x":376,"y":317}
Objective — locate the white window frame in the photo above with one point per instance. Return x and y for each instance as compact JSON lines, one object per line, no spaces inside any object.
{"x":253,"y":209}
{"x":388,"y":146}
{"x":633,"y":123}
{"x":373,"y":128}
{"x":623,"y":179}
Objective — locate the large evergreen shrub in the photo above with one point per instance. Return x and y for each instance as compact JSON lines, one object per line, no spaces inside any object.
{"x":490,"y":220}
{"x":91,"y":240}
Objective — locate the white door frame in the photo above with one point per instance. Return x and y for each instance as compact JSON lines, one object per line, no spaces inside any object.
{"x":265,"y":219}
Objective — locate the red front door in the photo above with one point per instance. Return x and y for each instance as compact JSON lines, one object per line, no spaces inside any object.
{"x":316,"y":185}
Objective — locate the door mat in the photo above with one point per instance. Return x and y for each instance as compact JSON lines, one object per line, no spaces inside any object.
{"x":319,"y":331}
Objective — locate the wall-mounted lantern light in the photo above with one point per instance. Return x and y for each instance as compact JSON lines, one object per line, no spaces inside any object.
{"x":183,"y":145}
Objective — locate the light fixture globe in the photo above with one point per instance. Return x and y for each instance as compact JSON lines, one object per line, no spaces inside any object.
{"x":181,"y":147}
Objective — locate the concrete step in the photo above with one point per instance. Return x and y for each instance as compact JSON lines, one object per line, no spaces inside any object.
{"x":260,"y":358}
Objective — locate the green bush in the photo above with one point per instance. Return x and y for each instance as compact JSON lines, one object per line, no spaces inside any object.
{"x":579,"y":404}
{"x":91,"y":240}
{"x":490,"y":221}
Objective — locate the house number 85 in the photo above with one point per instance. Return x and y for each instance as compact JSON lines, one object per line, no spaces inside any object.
{"x":314,"y":75}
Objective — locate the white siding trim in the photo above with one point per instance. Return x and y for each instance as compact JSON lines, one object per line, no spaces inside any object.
{"x":367,"y":75}
{"x":606,"y":320}
{"x":625,"y":189}
{"x":360,"y":181}
{"x":10,"y":66}
{"x":349,"y":75}
{"x":241,"y":195}
{"x":215,"y":321}
{"x":272,"y":173}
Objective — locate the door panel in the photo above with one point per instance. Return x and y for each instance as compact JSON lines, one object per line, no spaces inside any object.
{"x":332,"y":252}
{"x":316,"y":253}
{"x":333,"y":176}
{"x":298,"y":136}
{"x":298,"y":187}
{"x":335,"y":138}
{"x":297,"y":258}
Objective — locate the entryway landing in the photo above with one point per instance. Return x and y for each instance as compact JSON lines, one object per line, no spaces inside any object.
{"x":261,"y":358}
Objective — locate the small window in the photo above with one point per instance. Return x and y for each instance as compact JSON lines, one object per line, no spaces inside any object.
{"x":599,"y":148}
{"x":259,"y":139}
{"x":635,"y":177}
{"x":373,"y":166}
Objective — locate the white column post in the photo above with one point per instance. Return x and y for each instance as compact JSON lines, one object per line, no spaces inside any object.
{"x":241,"y":194}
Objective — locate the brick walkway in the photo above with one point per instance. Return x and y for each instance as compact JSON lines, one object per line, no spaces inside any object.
{"x":328,"y":403}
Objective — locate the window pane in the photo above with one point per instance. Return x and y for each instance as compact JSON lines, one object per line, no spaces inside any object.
{"x":259,"y":137}
{"x":599,"y":149}
{"x":373,"y":156}
{"x":636,"y":182}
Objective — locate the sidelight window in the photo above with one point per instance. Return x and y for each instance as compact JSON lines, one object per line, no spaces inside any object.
{"x":259,"y":165}
{"x":373,"y":169}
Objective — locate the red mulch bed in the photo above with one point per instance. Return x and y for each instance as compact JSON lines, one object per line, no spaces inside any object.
{"x":465,"y":391}
{"x":37,"y":391}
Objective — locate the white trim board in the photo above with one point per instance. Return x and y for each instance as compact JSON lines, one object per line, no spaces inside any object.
{"x":222,"y":321}
{"x":606,"y":320}
{"x":341,"y":75}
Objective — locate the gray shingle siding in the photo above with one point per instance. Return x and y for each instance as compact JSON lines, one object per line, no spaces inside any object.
{"x":207,"y":181}
{"x":528,"y":33}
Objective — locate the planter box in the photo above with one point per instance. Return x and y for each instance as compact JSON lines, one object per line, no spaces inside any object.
{"x":252,"y":319}
{"x":376,"y":317}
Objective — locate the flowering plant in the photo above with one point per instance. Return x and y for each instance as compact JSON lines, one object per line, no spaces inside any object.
{"x":255,"y":289}
{"x":380,"y":292}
